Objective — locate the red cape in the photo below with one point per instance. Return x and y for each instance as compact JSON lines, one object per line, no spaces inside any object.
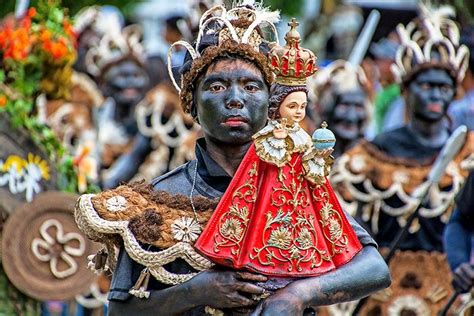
{"x":275,"y":222}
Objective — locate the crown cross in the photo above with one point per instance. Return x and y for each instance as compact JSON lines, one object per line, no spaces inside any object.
{"x":293,"y":24}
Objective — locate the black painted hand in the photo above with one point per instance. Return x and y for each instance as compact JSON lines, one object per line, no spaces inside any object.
{"x":463,"y":278}
{"x":225,"y":289}
{"x":282,"y":302}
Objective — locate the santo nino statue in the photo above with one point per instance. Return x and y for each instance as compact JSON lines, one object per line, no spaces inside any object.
{"x":225,"y":86}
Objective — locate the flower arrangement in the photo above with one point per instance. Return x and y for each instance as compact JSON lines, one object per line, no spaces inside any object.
{"x":37,"y":53}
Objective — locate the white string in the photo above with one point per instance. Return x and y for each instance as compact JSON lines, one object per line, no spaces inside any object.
{"x":190,"y":49}
{"x":192,"y":190}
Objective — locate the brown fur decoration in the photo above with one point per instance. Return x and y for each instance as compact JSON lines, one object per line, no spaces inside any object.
{"x":383,"y":167}
{"x":414,"y":291}
{"x":151,"y":213}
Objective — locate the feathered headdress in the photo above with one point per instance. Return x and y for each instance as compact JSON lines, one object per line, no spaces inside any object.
{"x":101,"y":20}
{"x":430,"y":40}
{"x":239,"y":31}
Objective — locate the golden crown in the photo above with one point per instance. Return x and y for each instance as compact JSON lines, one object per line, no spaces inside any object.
{"x":292,"y":64}
{"x":432,"y":39}
{"x":115,"y":47}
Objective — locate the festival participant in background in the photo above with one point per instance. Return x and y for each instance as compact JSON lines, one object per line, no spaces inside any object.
{"x":172,"y":131}
{"x":344,"y":99}
{"x":380,"y":180}
{"x":117,"y":62}
{"x":224,"y":85}
{"x":459,"y":238}
{"x":90,"y":25}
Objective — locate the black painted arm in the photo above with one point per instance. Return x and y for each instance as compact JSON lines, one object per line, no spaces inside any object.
{"x":365,"y":274}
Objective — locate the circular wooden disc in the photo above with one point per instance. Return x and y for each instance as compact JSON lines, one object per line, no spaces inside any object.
{"x":32,"y":235}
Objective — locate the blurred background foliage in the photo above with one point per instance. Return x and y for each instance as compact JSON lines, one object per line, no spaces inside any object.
{"x":287,"y":7}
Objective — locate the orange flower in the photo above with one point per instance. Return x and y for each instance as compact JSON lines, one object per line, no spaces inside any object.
{"x":57,"y":49}
{"x":45,"y":35}
{"x":3,"y":100}
{"x":68,"y":29}
{"x":31,"y":12}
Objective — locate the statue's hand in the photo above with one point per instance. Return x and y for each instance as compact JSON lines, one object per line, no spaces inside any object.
{"x":326,"y":152}
{"x":463,"y":278}
{"x":282,"y":302}
{"x":225,"y":289}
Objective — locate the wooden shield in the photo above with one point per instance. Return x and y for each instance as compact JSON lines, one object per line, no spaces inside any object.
{"x":43,"y":251}
{"x":24,"y":168}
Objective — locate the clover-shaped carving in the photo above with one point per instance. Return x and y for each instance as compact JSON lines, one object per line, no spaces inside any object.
{"x":53,"y":249}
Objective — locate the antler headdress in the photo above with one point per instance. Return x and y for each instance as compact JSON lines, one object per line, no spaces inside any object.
{"x":431,"y":40}
{"x":115,"y":47}
{"x":339,"y":76}
{"x":239,"y":31}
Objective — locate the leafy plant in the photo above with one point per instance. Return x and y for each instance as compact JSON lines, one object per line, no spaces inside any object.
{"x":36,"y":55}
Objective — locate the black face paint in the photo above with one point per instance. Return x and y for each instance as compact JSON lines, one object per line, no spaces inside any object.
{"x":430,"y":94}
{"x":349,"y":114}
{"x":232,"y":101}
{"x":126,"y":82}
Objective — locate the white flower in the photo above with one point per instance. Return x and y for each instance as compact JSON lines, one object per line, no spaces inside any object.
{"x":116,"y":203}
{"x":186,"y":229}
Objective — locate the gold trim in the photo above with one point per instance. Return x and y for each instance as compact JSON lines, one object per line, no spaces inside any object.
{"x":233,"y":223}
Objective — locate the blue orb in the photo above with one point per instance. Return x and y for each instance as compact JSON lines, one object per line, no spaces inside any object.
{"x":323,"y":138}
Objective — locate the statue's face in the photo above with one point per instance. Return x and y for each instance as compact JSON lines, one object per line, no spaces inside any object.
{"x":349,"y":114}
{"x":126,"y":82}
{"x":232,"y":101}
{"x":430,"y":94}
{"x":293,"y":107}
